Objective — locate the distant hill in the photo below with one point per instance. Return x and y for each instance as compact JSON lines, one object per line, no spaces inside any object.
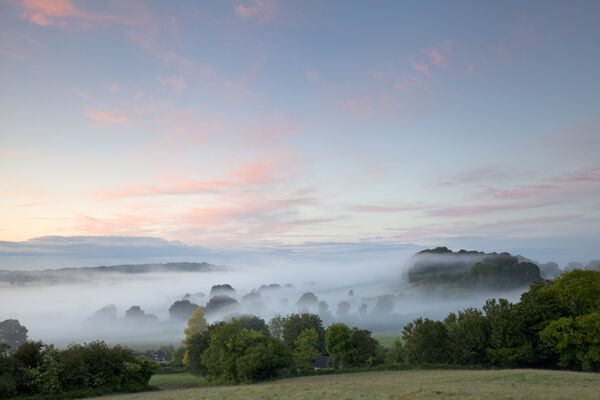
{"x":471,"y":270}
{"x":74,"y":275}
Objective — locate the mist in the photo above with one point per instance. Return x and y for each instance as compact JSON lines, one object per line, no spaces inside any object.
{"x":371,"y":292}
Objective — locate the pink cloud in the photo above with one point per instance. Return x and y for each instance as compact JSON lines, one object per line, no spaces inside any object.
{"x":362,"y":107}
{"x":409,"y":83}
{"x":9,"y":153}
{"x":375,"y":74}
{"x":110,"y":117}
{"x":387,"y":209}
{"x":251,"y":175}
{"x":263,"y":10}
{"x":174,"y":82}
{"x":435,"y":57}
{"x":59,"y":12}
{"x":485,"y":173}
{"x":310,"y":75}
{"x":421,"y":67}
{"x":240,"y":87}
{"x":464,"y":211}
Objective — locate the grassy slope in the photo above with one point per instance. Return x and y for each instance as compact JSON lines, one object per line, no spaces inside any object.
{"x":176,"y":381}
{"x":505,"y":384}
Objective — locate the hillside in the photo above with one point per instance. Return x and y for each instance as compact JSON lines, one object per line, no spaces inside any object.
{"x":73,"y":275}
{"x":424,"y":384}
{"x":471,"y":270}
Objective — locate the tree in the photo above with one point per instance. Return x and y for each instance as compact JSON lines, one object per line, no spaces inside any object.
{"x":306,"y":349}
{"x":580,"y":290}
{"x":195,"y":345}
{"x":136,"y":314}
{"x":364,"y":348}
{"x":221,"y":303}
{"x":467,"y":337}
{"x":181,"y":310}
{"x":396,"y":352}
{"x":539,"y":306}
{"x":338,"y":339}
{"x":195,"y":342}
{"x":576,"y":341}
{"x":196,"y":323}
{"x":296,"y":323}
{"x":507,"y":346}
{"x":308,"y":302}
{"x":384,"y":305}
{"x":343,"y":308}
{"x":12,"y":333}
{"x":241,"y":355}
{"x":425,"y":341}
{"x":224,"y":289}
{"x":252,"y":322}
{"x":276,"y":326}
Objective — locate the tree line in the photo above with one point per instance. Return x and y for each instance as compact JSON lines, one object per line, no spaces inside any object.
{"x":556,"y":324}
{"x":39,"y":371}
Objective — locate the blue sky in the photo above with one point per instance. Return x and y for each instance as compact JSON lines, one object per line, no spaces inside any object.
{"x":278,"y":123}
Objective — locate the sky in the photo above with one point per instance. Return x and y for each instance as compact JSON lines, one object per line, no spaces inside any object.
{"x":293,"y":124}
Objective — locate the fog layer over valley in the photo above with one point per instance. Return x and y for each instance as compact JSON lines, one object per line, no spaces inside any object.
{"x":150,"y":304}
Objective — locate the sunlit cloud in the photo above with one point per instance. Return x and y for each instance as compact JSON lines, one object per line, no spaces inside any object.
{"x":174,"y":82}
{"x":262,"y":10}
{"x":107,"y":116}
{"x":421,"y":67}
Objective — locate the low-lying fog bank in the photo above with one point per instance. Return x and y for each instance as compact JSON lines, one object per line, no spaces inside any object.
{"x":373,"y":294}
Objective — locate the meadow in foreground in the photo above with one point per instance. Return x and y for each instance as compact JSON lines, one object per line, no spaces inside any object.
{"x":416,"y":384}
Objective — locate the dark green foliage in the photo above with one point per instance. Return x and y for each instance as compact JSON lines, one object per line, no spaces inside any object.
{"x":467,"y":337}
{"x":294,"y":324}
{"x":580,"y":290}
{"x":396,"y":354}
{"x":82,"y":370}
{"x":556,"y":324}
{"x":425,"y":341}
{"x":507,"y":345}
{"x":576,"y":340}
{"x":470,"y":269}
{"x":276,"y":326}
{"x":366,"y":350}
{"x":196,"y":345}
{"x":306,"y":349}
{"x":352,"y":347}
{"x":537,"y":309}
{"x":253,"y":323}
{"x":338,"y":339}
{"x":236,"y":354}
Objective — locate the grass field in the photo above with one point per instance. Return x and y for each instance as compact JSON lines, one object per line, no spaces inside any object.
{"x":176,"y":381}
{"x":505,"y":384}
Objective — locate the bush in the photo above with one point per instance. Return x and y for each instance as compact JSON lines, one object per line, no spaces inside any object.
{"x":236,"y":354}
{"x":42,"y":371}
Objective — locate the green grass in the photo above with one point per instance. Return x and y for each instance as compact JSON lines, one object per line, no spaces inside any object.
{"x":414,"y":384}
{"x":176,"y":381}
{"x":387,"y":338}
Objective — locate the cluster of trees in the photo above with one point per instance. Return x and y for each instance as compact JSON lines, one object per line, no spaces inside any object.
{"x":246,"y":349}
{"x":42,"y":371}
{"x":556,"y":324}
{"x":471,"y":269}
